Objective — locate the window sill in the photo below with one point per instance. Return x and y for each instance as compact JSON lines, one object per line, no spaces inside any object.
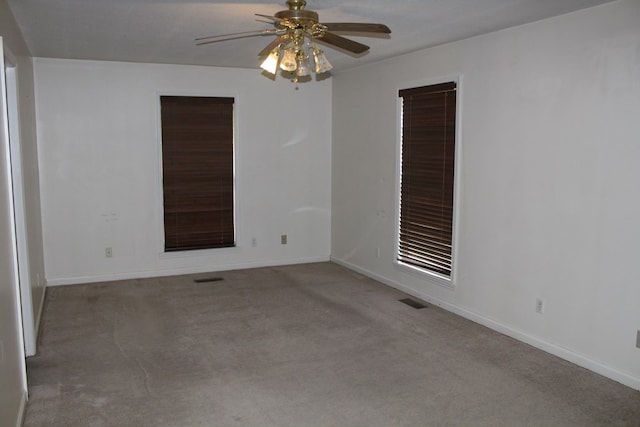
{"x":438,"y":279}
{"x":194,"y":253}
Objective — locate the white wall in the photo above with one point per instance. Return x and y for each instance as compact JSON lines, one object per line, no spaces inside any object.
{"x":548,"y":204}
{"x":99,"y":144}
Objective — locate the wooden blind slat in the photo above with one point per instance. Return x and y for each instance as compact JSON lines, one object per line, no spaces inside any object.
{"x":197,"y":161}
{"x":426,"y":194}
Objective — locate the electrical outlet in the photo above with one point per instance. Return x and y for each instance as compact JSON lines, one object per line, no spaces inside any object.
{"x":254,"y":242}
{"x":539,"y":306}
{"x":283,"y":239}
{"x":378,"y":252}
{"x":108,"y":252}
{"x":638,"y":339}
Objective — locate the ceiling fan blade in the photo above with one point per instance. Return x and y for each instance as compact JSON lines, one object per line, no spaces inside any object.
{"x":357,"y":27}
{"x":273,"y":18}
{"x":225,"y":37}
{"x":344,"y":43}
{"x":275,"y":43}
{"x":228,"y":38}
{"x":230,"y":34}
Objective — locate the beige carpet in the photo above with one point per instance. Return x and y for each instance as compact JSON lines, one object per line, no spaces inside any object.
{"x":306,"y":345}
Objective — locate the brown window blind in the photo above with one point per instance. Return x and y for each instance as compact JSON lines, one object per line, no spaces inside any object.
{"x":197,"y":172}
{"x":427,"y":177}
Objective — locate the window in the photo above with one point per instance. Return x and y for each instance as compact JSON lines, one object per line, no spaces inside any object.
{"x":427,"y":177}
{"x":197,"y":172}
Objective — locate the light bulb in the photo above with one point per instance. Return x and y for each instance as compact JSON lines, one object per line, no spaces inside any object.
{"x":270,"y":65}
{"x":288,"y":62}
{"x":322,"y":63}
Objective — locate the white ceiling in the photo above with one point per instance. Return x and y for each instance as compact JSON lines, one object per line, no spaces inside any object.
{"x":163,"y":31}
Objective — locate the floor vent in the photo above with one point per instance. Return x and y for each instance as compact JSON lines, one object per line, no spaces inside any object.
{"x":413,"y":303}
{"x":208,"y":279}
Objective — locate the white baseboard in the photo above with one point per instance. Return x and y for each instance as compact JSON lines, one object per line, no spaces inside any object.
{"x":179,"y":271}
{"x":576,"y":358}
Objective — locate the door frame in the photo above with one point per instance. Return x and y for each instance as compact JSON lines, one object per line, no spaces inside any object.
{"x":22,"y":246}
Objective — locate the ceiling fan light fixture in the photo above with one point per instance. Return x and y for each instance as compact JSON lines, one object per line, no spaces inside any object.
{"x":296,"y":29}
{"x":322,"y":63}
{"x":289,"y":62}
{"x":270,"y":65}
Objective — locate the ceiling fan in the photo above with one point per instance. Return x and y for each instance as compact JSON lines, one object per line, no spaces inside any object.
{"x":297,"y":30}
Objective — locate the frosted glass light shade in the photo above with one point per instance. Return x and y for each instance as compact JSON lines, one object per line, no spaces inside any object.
{"x":270,"y":65}
{"x":288,"y":62}
{"x":304,"y":67}
{"x":322,"y":63}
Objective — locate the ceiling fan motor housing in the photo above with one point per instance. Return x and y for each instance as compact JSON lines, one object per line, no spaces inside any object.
{"x":296,"y":4}
{"x":297,"y":14}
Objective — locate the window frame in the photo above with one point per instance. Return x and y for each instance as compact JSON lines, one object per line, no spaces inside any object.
{"x":159,"y":191}
{"x":420,"y":272}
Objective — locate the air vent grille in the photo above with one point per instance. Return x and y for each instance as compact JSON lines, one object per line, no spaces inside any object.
{"x":208,"y":279}
{"x":413,"y":303}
